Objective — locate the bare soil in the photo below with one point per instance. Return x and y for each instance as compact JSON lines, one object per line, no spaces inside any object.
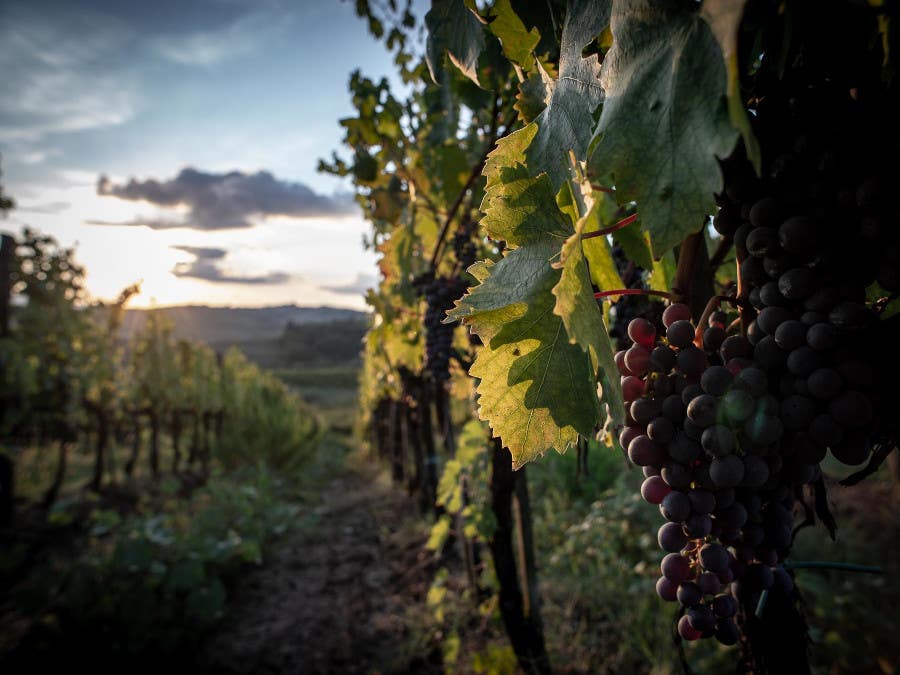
{"x":336,"y":601}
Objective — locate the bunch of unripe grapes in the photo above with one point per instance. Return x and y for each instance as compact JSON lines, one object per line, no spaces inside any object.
{"x":706,"y":430}
{"x":440,"y":295}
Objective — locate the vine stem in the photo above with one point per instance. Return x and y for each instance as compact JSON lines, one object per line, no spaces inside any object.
{"x":601,"y":188}
{"x":684,"y":273}
{"x":625,"y":222}
{"x":632,"y":291}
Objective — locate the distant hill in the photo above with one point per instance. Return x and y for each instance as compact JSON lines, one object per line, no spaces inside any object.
{"x":222,"y":326}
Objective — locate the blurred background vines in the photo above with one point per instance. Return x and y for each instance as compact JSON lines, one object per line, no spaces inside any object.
{"x":137,"y":477}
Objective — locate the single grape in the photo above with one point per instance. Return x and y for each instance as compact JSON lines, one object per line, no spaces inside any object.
{"x":702,"y":618}
{"x":702,"y":410}
{"x":654,"y":489}
{"x":714,"y":557}
{"x":715,"y":380}
{"x":692,"y":361}
{"x":851,"y":409}
{"x":790,"y":334}
{"x":676,"y":475}
{"x":726,"y":471}
{"x":687,"y":631}
{"x":676,"y":506}
{"x":671,"y":537}
{"x":676,"y":312}
{"x":666,"y":589}
{"x":632,"y":387}
{"x":724,"y":606}
{"x":727,"y":632}
{"x":717,"y":440}
{"x":702,"y":501}
{"x":620,"y":364}
{"x":643,"y":451}
{"x":689,"y":594}
{"x":825,"y":383}
{"x":680,"y":334}
{"x":676,"y":568}
{"x":709,"y":583}
{"x":637,"y":359}
{"x":642,"y":332}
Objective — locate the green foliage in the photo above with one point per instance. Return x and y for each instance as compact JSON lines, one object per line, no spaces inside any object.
{"x":155,"y":582}
{"x":664,"y":121}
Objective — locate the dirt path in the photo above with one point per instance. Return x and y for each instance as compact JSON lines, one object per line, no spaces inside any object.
{"x":332,"y":602}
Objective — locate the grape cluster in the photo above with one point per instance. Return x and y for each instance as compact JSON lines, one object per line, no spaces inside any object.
{"x":464,"y":247}
{"x":440,"y":294}
{"x":706,"y":430}
{"x":813,"y":235}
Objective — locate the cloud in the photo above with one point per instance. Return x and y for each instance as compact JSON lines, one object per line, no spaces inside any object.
{"x":46,"y":207}
{"x":205,"y":266}
{"x":61,"y":75}
{"x":213,"y":46}
{"x":359,"y":285}
{"x":225,"y":200}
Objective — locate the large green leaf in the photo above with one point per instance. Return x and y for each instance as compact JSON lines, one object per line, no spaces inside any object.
{"x":664,"y":120}
{"x":516,"y":40}
{"x":537,"y":390}
{"x":565,"y":124}
{"x":453,"y":28}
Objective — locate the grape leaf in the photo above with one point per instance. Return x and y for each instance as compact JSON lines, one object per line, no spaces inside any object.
{"x":635,"y":244}
{"x":537,"y":390}
{"x":516,"y":40}
{"x":534,"y":94}
{"x":576,"y":306}
{"x":664,"y":120}
{"x":566,"y":122}
{"x":724,"y":19}
{"x":515,"y":203}
{"x":454,"y":28}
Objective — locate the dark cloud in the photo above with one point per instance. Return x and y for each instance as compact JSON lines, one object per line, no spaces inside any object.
{"x":359,"y":286}
{"x":219,"y":201}
{"x":206,"y":267}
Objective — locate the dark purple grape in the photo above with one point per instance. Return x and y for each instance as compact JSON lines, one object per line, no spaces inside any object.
{"x":724,"y":606}
{"x":765,"y":213}
{"x":709,"y":583}
{"x":727,"y":471}
{"x":691,"y":361}
{"x":716,"y":380}
{"x":803,"y":361}
{"x":676,"y":312}
{"x":790,"y":334}
{"x":798,"y":235}
{"x":824,"y":383}
{"x":676,"y":507}
{"x":768,"y":355}
{"x":686,"y":631}
{"x":825,"y":431}
{"x":632,"y":388}
{"x":735,"y":346}
{"x":822,"y":336}
{"x":676,"y":475}
{"x":674,"y":408}
{"x":643,"y":451}
{"x":666,"y":589}
{"x":671,"y":537}
{"x":727,"y":632}
{"x":702,"y":410}
{"x":654,"y":489}
{"x":702,"y":618}
{"x":797,"y":284}
{"x":683,"y":449}
{"x":620,"y":363}
{"x":645,"y":410}
{"x":698,"y":525}
{"x":713,"y":337}
{"x":702,"y":501}
{"x":737,"y":405}
{"x":662,"y":359}
{"x":689,"y":594}
{"x":661,"y":430}
{"x":676,"y":568}
{"x":753,"y":380}
{"x":771,"y":317}
{"x":681,"y":334}
{"x":717,"y":440}
{"x":637,"y":359}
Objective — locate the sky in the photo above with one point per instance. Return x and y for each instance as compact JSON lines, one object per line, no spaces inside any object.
{"x":176,"y":142}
